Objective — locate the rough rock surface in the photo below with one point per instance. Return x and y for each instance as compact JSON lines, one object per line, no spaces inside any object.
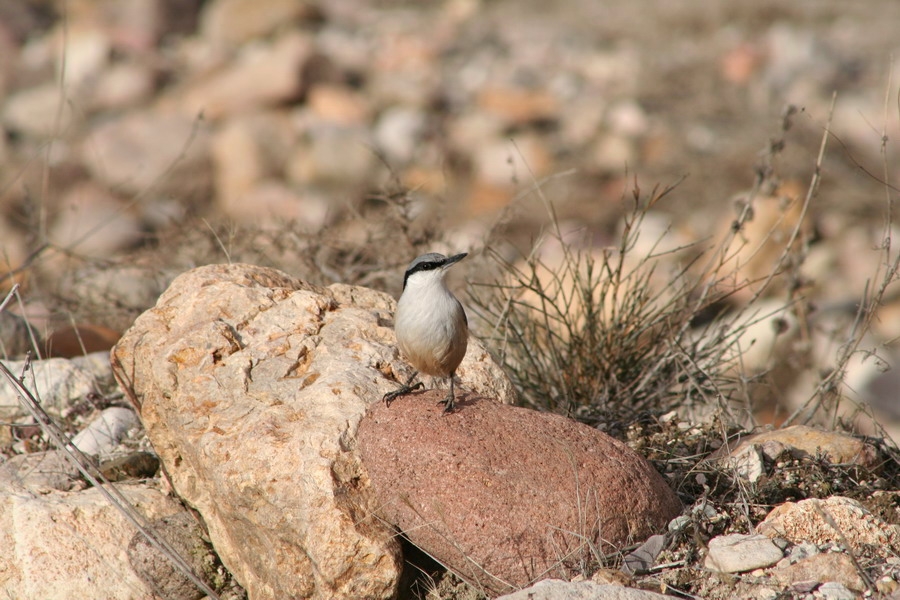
{"x":38,"y":473}
{"x":832,"y":520}
{"x":831,"y":566}
{"x":73,"y":545}
{"x":504,"y":495}
{"x":182,"y":531}
{"x":251,"y":384}
{"x":555,"y":589}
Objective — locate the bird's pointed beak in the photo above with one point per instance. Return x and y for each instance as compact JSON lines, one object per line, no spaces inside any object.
{"x":454,"y":259}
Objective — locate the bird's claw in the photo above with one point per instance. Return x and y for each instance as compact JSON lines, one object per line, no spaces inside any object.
{"x":448,"y":403}
{"x":401,"y":391}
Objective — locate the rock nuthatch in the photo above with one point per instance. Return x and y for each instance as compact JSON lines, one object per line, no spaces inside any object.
{"x":430,"y":323}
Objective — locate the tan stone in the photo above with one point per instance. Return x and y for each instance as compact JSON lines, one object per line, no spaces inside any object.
{"x":828,"y":566}
{"x":262,"y":75}
{"x":338,"y":104}
{"x":766,"y":335}
{"x":90,"y":221}
{"x":832,"y":520}
{"x":166,"y":152}
{"x":509,"y":162}
{"x":42,"y":111}
{"x":802,"y":442}
{"x":505,"y":496}
{"x":332,"y":156}
{"x":120,"y":86}
{"x":239,"y":21}
{"x":739,"y":552}
{"x":763,"y":240}
{"x":73,"y":545}
{"x":519,"y":105}
{"x":245,"y":151}
{"x":555,"y":589}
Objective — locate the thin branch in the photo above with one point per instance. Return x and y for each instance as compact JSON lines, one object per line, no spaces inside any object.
{"x":99,"y":480}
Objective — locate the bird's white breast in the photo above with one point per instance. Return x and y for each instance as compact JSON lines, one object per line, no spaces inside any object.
{"x":431,"y":326}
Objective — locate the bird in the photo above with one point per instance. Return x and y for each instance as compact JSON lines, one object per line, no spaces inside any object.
{"x":430,"y":323}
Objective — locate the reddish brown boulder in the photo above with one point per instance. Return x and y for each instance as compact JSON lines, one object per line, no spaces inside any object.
{"x":503,"y":495}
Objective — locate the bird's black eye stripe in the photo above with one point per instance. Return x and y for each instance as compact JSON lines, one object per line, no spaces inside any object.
{"x":428,"y":265}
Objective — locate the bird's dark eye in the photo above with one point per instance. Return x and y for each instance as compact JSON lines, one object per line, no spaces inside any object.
{"x":422,"y":266}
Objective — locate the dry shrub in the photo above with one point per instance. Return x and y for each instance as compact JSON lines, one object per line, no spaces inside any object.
{"x":602,"y":334}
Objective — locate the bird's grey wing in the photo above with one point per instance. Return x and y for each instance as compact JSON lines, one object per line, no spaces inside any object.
{"x":463,"y":311}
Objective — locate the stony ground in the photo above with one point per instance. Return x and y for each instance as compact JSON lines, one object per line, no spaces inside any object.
{"x":336,"y":140}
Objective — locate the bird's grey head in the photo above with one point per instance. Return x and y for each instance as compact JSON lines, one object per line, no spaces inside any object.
{"x":431,"y":262}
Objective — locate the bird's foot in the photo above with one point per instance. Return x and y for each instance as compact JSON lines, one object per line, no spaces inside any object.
{"x":401,"y":391}
{"x":448,"y":403}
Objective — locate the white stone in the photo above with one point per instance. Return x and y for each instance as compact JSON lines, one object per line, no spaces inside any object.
{"x":121,"y":85}
{"x":747,"y":463}
{"x":738,"y":553}
{"x":41,"y":111}
{"x":398,"y":132}
{"x":86,"y":53}
{"x":56,"y":382}
{"x":557,"y":589}
{"x":104,"y":433}
{"x":832,"y":590}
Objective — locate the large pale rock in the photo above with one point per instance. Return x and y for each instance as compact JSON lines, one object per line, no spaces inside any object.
{"x":73,"y":545}
{"x":504,"y":495}
{"x":251,"y":384}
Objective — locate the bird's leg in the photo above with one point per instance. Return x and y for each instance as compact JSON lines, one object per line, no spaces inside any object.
{"x":448,"y":402}
{"x":402,"y":390}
